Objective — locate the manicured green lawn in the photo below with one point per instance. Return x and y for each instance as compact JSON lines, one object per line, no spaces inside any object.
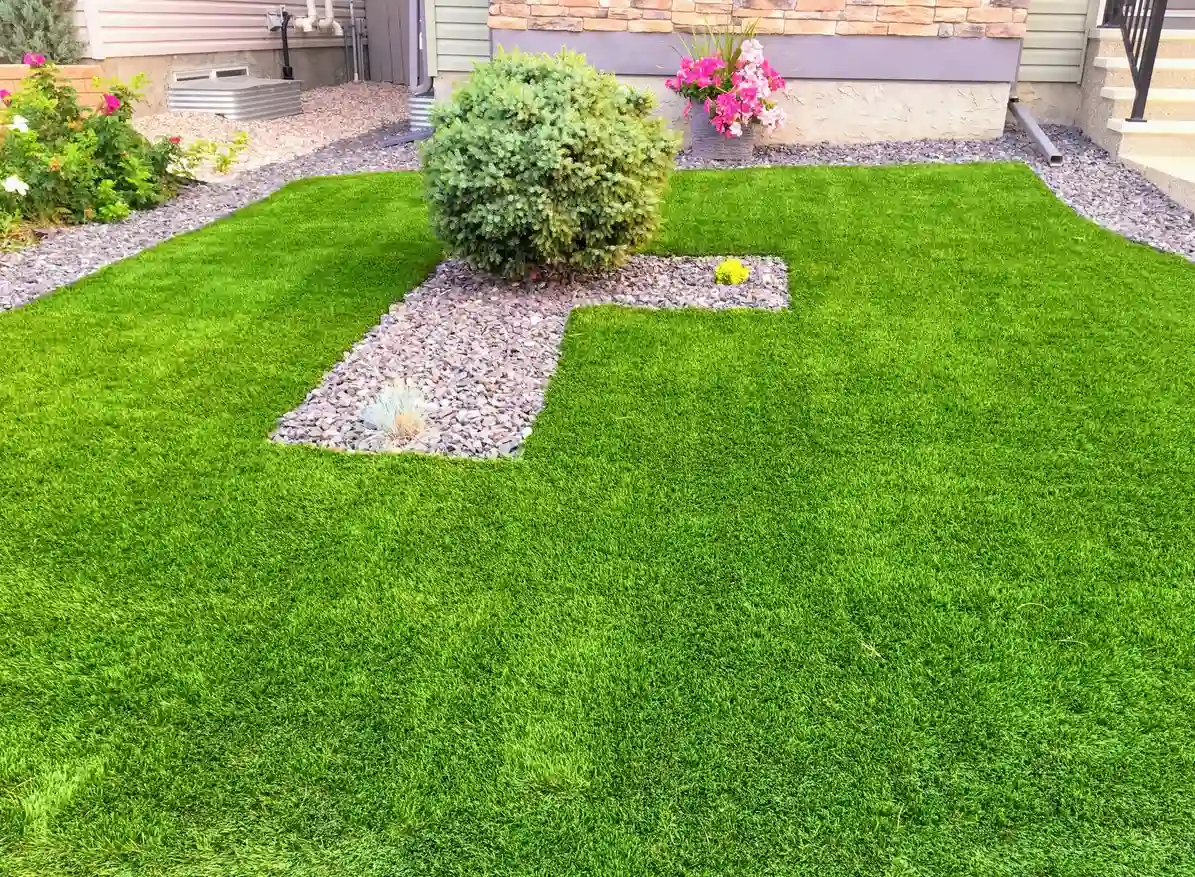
{"x":897,"y":583}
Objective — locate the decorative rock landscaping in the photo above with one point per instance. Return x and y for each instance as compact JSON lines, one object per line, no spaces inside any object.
{"x":333,"y":113}
{"x":481,"y":351}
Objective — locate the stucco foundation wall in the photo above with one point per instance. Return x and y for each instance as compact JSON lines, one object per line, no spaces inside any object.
{"x":313,"y":66}
{"x":871,"y":112}
{"x":1052,"y":103}
{"x":856,"y":112}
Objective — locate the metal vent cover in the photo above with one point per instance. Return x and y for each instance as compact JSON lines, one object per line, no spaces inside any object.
{"x":238,"y":97}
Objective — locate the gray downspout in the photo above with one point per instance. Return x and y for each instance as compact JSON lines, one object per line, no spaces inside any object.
{"x":1043,"y":143}
{"x":1025,"y":119}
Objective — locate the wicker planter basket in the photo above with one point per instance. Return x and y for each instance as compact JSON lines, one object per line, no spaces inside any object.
{"x":709,"y":145}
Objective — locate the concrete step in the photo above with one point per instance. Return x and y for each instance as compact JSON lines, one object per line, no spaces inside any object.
{"x":1174,"y":43}
{"x":1165,"y":104}
{"x":1179,"y":19}
{"x":1174,"y":176}
{"x":1159,"y":138}
{"x":1168,"y":72}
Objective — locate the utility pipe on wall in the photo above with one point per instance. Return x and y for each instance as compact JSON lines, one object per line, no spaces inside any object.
{"x":306,"y":24}
{"x":329,"y":22}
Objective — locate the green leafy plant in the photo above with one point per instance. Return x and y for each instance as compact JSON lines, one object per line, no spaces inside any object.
{"x":64,"y":163}
{"x":723,"y":41}
{"x":540,"y":160}
{"x":221,"y":155}
{"x":731,"y":272}
{"x":41,"y":27}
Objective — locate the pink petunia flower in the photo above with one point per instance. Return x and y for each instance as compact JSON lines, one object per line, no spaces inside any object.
{"x":34,"y":61}
{"x":5,"y":96}
{"x":111,"y":104}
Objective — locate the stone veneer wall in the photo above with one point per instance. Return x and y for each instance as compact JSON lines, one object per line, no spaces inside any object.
{"x":1003,"y":19}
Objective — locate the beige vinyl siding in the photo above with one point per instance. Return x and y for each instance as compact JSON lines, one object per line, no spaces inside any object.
{"x":1055,"y":42}
{"x":462,"y":35}
{"x":138,"y":28}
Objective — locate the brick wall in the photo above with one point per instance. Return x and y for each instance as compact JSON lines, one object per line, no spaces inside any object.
{"x":917,"y":18}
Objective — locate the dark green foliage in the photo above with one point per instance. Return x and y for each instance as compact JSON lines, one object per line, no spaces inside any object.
{"x":541,"y":160}
{"x":43,"y":27}
{"x":896,"y":583}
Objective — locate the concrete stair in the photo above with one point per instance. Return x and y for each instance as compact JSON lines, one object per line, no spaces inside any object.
{"x":1162,"y":148}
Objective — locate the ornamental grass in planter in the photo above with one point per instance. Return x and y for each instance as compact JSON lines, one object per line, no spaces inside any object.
{"x":734,"y":88}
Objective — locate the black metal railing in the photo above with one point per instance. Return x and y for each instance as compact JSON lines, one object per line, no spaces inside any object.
{"x":1140,"y":23}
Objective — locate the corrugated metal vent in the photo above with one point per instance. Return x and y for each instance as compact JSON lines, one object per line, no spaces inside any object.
{"x":208,"y":73}
{"x":238,"y":97}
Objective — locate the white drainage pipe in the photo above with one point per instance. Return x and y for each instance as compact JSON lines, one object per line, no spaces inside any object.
{"x":307,"y":23}
{"x":329,"y":22}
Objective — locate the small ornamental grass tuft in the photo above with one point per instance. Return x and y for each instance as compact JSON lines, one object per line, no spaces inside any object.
{"x":731,"y":272}
{"x":397,"y":411}
{"x":542,"y":161}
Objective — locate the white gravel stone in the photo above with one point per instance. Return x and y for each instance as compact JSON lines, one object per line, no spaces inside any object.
{"x":481,"y":351}
{"x":337,"y":112}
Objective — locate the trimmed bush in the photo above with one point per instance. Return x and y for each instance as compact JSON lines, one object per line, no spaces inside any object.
{"x":542,"y":161}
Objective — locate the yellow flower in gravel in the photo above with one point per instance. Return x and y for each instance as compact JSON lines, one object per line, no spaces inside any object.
{"x":731,"y":272}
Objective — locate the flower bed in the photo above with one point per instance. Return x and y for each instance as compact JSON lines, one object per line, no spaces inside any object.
{"x":66,"y":159}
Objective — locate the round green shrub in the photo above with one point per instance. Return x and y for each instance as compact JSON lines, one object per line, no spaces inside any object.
{"x":542,"y":161}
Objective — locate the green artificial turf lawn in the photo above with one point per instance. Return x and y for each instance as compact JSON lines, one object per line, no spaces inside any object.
{"x":896,"y":583}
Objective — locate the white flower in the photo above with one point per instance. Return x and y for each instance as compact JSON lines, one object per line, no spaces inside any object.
{"x":14,"y":185}
{"x":20,"y":124}
{"x":736,"y":130}
{"x":772,"y":117}
{"x":751,"y":51}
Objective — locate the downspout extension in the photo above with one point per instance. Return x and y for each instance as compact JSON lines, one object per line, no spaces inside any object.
{"x":1043,"y":143}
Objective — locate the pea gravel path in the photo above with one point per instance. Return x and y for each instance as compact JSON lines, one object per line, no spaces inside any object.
{"x":481,"y":351}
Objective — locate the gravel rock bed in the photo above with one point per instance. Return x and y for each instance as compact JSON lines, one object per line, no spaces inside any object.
{"x":336,"y":112}
{"x":71,"y":253}
{"x":481,"y":351}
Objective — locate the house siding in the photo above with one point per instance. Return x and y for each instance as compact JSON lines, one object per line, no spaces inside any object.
{"x":1056,"y":41}
{"x":141,"y":28}
{"x":462,"y":35}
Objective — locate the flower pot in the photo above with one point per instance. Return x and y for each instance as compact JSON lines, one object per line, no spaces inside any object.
{"x":709,"y":145}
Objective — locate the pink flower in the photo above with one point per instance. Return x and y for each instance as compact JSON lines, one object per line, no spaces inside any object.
{"x":34,"y":61}
{"x":176,"y":140}
{"x":111,"y":104}
{"x":5,"y":96}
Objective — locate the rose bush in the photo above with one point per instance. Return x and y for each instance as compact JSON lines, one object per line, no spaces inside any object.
{"x":64,"y":163}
